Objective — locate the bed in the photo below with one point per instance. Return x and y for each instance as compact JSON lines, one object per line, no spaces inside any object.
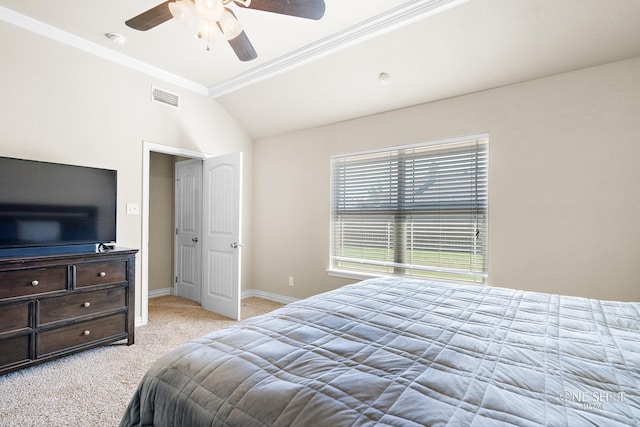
{"x":402,"y":352}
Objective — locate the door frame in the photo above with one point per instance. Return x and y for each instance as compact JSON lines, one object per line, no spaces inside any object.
{"x":147,"y":147}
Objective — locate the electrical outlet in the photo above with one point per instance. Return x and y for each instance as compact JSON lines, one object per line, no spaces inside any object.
{"x":290,"y":281}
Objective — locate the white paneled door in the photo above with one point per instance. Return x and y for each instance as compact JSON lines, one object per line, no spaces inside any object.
{"x":221,"y":234}
{"x":208,"y":232}
{"x":188,"y":225}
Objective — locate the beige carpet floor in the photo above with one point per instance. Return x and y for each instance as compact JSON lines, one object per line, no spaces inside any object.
{"x":93,"y":388}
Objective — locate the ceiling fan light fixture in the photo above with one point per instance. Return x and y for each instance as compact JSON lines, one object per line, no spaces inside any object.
{"x":184,"y":12}
{"x":210,"y":10}
{"x":207,"y":31}
{"x":229,"y":25}
{"x":205,"y":16}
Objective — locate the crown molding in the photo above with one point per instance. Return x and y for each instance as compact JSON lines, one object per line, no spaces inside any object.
{"x":12,"y":17}
{"x":408,"y":12}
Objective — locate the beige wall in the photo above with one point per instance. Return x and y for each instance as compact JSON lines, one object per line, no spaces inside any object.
{"x":564,"y":198}
{"x":61,"y":104}
{"x":564,"y":184}
{"x":161,"y":223}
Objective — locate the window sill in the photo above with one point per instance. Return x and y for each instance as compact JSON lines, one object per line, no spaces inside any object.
{"x":352,"y":274}
{"x":345,"y":274}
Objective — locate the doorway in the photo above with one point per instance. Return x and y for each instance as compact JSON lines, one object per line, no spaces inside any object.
{"x":142,"y":304}
{"x":221,"y":240}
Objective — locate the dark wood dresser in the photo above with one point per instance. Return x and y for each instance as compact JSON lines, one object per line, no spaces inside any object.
{"x":55,"y":305}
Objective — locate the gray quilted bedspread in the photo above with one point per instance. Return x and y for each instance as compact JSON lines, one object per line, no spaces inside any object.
{"x":407,"y":353}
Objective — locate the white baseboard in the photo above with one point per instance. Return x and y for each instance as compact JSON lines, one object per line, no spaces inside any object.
{"x":268,"y":295}
{"x":246,"y":294}
{"x":160,"y":292}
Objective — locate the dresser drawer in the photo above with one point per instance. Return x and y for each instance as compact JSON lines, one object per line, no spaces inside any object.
{"x":70,"y":306}
{"x":14,"y":350}
{"x":82,"y":333}
{"x":18,"y":283}
{"x":100,"y":273}
{"x":14,"y":317}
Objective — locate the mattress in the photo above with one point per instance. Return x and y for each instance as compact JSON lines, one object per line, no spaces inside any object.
{"x":403,"y":352}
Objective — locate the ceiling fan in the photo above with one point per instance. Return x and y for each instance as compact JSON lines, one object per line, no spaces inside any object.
{"x":208,"y":17}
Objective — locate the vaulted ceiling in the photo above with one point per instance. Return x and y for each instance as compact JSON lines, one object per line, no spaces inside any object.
{"x":309,"y":73}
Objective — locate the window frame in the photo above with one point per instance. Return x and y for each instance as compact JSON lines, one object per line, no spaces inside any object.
{"x":474,"y":276}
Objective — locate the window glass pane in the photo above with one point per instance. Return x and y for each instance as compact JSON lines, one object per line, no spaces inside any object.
{"x":418,"y":210}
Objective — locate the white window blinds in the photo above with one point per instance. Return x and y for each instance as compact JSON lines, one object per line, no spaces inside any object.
{"x":418,"y":210}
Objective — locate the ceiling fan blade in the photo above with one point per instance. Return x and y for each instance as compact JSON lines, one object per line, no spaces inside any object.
{"x":151,"y":18}
{"x":243,"y":48}
{"x":310,"y":9}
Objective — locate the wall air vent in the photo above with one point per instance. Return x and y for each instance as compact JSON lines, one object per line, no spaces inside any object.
{"x":165,"y":97}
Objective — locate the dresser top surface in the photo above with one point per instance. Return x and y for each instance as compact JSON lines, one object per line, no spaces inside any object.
{"x":9,"y":262}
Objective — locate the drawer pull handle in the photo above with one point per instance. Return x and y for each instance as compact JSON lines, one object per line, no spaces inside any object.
{"x":86,"y":332}
{"x":102,"y":274}
{"x":35,"y":283}
{"x":86,"y":304}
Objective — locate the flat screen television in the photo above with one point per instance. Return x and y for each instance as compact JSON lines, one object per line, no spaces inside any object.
{"x":50,"y":207}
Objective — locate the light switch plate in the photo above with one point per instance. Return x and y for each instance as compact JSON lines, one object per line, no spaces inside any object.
{"x":133,"y":209}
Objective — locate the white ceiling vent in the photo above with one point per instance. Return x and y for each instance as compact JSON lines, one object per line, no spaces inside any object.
{"x":165,"y":97}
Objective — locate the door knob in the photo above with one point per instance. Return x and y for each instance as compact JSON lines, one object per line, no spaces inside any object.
{"x":235,"y":245}
{"x":194,"y":240}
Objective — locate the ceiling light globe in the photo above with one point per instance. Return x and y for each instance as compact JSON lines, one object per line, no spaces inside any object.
{"x":229,"y":25}
{"x":207,"y":32}
{"x":184,"y":12}
{"x":210,"y":10}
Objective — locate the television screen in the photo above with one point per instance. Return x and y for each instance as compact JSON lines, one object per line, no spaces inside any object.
{"x":50,"y":204}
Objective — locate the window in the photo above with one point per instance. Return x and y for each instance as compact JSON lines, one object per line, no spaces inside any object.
{"x":418,"y":210}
